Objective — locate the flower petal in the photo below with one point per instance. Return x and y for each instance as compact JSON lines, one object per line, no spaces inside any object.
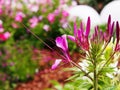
{"x":117,"y":31}
{"x":88,"y":27}
{"x":61,"y":42}
{"x":72,"y":38}
{"x":109,"y":22}
{"x":75,"y":29}
{"x":56,"y":63}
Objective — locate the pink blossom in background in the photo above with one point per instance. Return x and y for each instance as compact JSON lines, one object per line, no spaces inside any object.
{"x":46,"y":27}
{"x":1,"y":29}
{"x":51,"y":17}
{"x":62,"y":1}
{"x":33,"y":8}
{"x":4,"y":64}
{"x":33,"y":21}
{"x":65,"y":13}
{"x":11,"y":63}
{"x":44,"y":1}
{"x":17,"y":5}
{"x":1,"y":2}
{"x":41,"y":1}
{"x":57,"y":12}
{"x":14,"y":25}
{"x":7,"y":2}
{"x":40,"y":18}
{"x":65,"y":25}
{"x":4,"y":36}
{"x":19,"y":16}
{"x":63,"y":20}
{"x":44,"y":10}
{"x":1,"y":11}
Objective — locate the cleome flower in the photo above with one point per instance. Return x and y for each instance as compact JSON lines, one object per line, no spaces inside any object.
{"x":81,"y":35}
{"x":109,"y":32}
{"x":62,"y":43}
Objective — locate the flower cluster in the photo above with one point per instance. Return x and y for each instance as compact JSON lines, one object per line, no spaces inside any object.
{"x":81,"y":37}
{"x":101,"y":51}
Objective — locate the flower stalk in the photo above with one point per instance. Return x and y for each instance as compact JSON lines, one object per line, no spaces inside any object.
{"x":95,"y":81}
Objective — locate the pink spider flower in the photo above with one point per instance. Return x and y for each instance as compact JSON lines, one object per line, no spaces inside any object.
{"x":81,"y":36}
{"x":61,"y":42}
{"x":51,"y":17}
{"x":109,"y":31}
{"x":97,"y":36}
{"x":117,"y":47}
{"x":19,"y":16}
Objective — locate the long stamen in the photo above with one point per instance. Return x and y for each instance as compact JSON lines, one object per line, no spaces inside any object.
{"x":43,"y":41}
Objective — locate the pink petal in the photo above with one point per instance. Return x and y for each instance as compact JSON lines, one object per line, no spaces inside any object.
{"x":75,"y":29}
{"x":61,"y":42}
{"x":117,"y":31}
{"x":72,"y":38}
{"x":56,"y":63}
{"x":109,"y":22}
{"x":51,"y":17}
{"x":88,"y":27}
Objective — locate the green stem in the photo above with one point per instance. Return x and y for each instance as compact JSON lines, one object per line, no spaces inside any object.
{"x":105,"y":63}
{"x":95,"y":81}
{"x":78,"y":66}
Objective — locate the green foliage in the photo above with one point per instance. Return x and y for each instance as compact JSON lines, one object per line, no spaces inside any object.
{"x":16,"y":63}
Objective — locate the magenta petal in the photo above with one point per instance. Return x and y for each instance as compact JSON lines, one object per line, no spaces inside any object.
{"x":72,"y":38}
{"x":117,"y":31}
{"x":80,"y":34}
{"x":88,"y":27}
{"x":75,"y":29}
{"x":111,"y":30}
{"x":81,"y":26}
{"x":109,"y":22}
{"x":117,"y":48}
{"x":56,"y":63}
{"x":61,"y":42}
{"x":96,"y":31}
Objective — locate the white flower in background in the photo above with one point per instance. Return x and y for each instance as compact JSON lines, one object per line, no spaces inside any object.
{"x":46,"y":27}
{"x":1,"y":26}
{"x":34,"y":8}
{"x":1,"y":22}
